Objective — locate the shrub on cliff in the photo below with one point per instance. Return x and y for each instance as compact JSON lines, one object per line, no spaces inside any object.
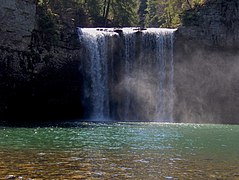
{"x":48,"y":26}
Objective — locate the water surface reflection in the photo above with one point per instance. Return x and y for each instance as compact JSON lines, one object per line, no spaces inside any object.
{"x":121,"y":151}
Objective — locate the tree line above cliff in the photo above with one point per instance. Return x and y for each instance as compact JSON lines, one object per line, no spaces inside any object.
{"x":118,"y":13}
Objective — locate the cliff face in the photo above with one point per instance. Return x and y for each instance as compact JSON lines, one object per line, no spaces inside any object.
{"x":206,"y":64}
{"x":17,"y":20}
{"x":36,"y":82}
{"x":214,"y":24}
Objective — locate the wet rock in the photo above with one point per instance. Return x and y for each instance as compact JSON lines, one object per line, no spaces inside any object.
{"x":10,"y":177}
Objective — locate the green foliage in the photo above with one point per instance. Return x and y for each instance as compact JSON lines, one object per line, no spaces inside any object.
{"x":124,"y":12}
{"x":190,"y":17}
{"x":47,"y":24}
{"x":117,"y":13}
{"x":154,"y":13}
{"x":97,"y":12}
{"x":167,"y":13}
{"x":113,"y":12}
{"x":94,"y":10}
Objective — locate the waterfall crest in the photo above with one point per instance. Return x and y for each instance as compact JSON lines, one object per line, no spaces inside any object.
{"x":128,"y":74}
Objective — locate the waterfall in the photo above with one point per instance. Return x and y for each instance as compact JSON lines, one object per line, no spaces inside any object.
{"x":129,"y":56}
{"x":129,"y":77}
{"x":164,"y":41}
{"x":96,"y":44}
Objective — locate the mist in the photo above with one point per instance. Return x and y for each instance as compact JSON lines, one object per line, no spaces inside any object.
{"x":207,"y":88}
{"x":146,"y":92}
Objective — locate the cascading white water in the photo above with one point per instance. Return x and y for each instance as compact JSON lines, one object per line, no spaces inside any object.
{"x":164,"y":45}
{"x":149,"y":71}
{"x":129,"y":56}
{"x":96,"y":44}
{"x":146,"y":73}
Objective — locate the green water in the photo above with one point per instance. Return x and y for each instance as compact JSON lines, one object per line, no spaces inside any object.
{"x":121,"y":151}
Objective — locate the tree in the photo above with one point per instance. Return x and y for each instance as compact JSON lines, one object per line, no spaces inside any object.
{"x":166,"y":13}
{"x":155,"y":12}
{"x":142,"y":12}
{"x":120,"y":13}
{"x":125,"y":12}
{"x":107,"y":4}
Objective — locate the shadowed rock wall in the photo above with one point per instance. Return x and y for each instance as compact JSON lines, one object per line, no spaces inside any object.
{"x":36,"y":81}
{"x":17,"y":20}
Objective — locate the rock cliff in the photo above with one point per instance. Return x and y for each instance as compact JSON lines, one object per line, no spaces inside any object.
{"x":37,"y":81}
{"x":17,"y":21}
{"x":206,"y":64}
{"x":215,"y":25}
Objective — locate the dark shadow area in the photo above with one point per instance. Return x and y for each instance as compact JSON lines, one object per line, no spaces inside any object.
{"x":53,"y":95}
